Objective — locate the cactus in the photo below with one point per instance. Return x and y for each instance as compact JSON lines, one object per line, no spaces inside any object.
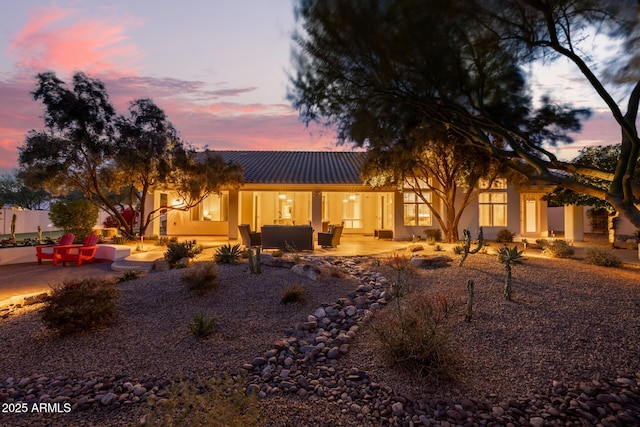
{"x":13,"y":228}
{"x":39,"y":234}
{"x":254,"y":260}
{"x":509,"y":256}
{"x":467,"y":245}
{"x":469,"y":311}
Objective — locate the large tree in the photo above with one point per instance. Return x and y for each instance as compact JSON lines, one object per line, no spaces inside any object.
{"x":430,"y":162}
{"x":363,"y":66}
{"x":115,"y":161}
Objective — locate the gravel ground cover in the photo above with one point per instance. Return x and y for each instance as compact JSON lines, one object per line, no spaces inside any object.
{"x":570,"y":325}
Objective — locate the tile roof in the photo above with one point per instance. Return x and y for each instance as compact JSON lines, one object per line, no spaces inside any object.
{"x":298,"y":167}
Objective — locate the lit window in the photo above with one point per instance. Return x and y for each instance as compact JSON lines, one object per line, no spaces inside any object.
{"x":492,"y":209}
{"x":416,"y":210}
{"x":213,"y":208}
{"x":352,"y":210}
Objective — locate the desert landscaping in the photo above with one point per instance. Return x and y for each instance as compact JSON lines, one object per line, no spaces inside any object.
{"x":564,"y":351}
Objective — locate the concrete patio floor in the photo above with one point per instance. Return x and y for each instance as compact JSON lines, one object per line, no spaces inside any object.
{"x":20,"y":280}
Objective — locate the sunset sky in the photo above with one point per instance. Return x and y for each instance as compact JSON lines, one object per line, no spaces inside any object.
{"x":217,"y":68}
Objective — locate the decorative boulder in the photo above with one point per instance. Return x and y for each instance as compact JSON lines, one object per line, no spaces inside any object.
{"x":161,"y":265}
{"x":308,"y":270}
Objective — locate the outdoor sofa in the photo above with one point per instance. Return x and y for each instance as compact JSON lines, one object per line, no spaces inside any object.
{"x":298,"y":237}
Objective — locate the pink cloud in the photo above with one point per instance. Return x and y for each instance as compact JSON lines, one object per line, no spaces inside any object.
{"x":63,"y":40}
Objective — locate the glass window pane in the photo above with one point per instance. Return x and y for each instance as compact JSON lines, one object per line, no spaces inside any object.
{"x":499,"y":197}
{"x":484,"y":217}
{"x":500,"y":215}
{"x":410,"y":214}
{"x":409,"y":197}
{"x":424,"y":215}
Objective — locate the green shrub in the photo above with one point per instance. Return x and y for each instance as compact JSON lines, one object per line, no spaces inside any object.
{"x":177,"y":251}
{"x":227,"y":254}
{"x":202,"y":326}
{"x":74,"y":216}
{"x":542,"y":243}
{"x":458,"y":249}
{"x":505,"y":236}
{"x":220,"y":401}
{"x":292,"y":293}
{"x":201,"y":277}
{"x":558,"y":249}
{"x":415,"y":335}
{"x":601,"y":257}
{"x":119,"y":240}
{"x":438,"y":248}
{"x":165,"y":240}
{"x":80,"y":305}
{"x":130,"y":275}
{"x":433,"y":234}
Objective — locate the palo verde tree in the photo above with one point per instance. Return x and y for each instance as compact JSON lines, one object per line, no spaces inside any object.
{"x":430,"y":162}
{"x":113,"y":160}
{"x":362,"y":67}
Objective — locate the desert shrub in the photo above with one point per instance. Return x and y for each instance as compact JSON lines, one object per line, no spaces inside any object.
{"x":438,"y":248}
{"x":80,"y":305}
{"x":433,"y":234}
{"x":277,"y":253}
{"x":505,"y":236}
{"x":292,"y":293}
{"x":202,"y":326}
{"x":558,"y":249}
{"x":415,"y":335}
{"x":399,"y":272}
{"x":153,"y":237}
{"x":227,"y":254}
{"x":542,"y":243}
{"x":177,"y":251}
{"x":74,"y":216}
{"x":220,"y":401}
{"x":458,"y":249}
{"x":201,"y":277}
{"x":119,"y":240}
{"x":602,"y":257}
{"x":130,"y":275}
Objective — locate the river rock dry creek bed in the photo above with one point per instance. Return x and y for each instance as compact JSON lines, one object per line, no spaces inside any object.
{"x":565,"y":351}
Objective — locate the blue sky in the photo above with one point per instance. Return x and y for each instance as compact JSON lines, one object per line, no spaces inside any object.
{"x":217,"y":68}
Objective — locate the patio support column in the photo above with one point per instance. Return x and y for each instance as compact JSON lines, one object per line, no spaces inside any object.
{"x":234,"y":213}
{"x":152,"y":202}
{"x":573,"y":223}
{"x":316,"y":210}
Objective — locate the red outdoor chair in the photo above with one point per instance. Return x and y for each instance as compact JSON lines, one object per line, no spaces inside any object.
{"x":76,"y":253}
{"x":46,"y":251}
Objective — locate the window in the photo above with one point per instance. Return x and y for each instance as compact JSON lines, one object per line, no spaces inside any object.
{"x":493,"y":209}
{"x":352,"y":210}
{"x":416,"y":211}
{"x":213,"y":208}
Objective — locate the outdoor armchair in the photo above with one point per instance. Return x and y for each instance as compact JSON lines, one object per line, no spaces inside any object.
{"x":76,"y":253}
{"x":332,"y":238}
{"x":47,"y":251}
{"x":249,"y":238}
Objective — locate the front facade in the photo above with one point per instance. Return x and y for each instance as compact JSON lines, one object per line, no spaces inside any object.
{"x":321,"y":188}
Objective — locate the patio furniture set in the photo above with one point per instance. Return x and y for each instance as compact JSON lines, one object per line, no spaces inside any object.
{"x":65,"y":251}
{"x":298,"y":237}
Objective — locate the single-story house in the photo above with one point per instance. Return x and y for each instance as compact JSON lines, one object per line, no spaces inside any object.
{"x":324,"y":187}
